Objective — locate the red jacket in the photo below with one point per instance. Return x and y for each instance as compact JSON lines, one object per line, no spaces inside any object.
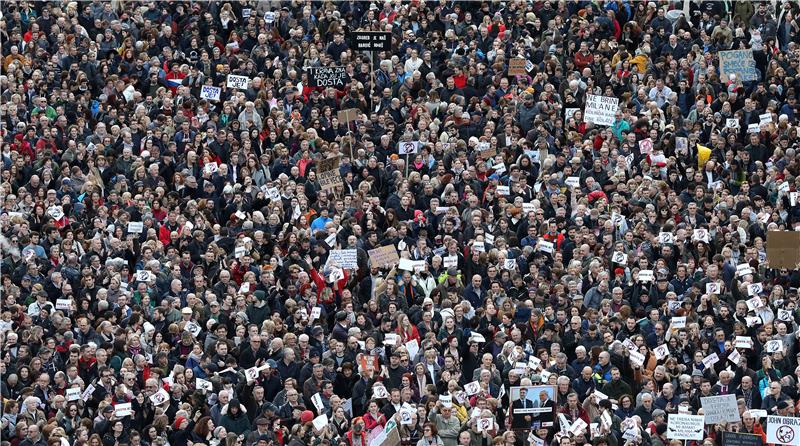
{"x":582,"y":61}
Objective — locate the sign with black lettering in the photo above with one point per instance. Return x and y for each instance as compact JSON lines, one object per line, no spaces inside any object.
{"x":741,"y":439}
{"x":372,"y":41}
{"x":327,"y":76}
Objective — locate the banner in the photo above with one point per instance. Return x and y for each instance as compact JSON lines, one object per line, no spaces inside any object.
{"x":717,"y":409}
{"x":239,"y":82}
{"x":738,"y":62}
{"x":685,"y":427}
{"x":328,"y":174}
{"x":327,"y":76}
{"x":600,"y":110}
{"x":741,"y":439}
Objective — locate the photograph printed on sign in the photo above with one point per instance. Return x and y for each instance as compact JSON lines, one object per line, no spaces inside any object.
{"x":532,"y":405}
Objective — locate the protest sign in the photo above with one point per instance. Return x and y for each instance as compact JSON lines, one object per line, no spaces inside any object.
{"x":123,"y":409}
{"x":783,"y":430}
{"x":346,"y":116}
{"x":345,"y":258}
{"x":741,"y":439}
{"x":327,"y":76}
{"x":135,"y":227}
{"x":407,"y":147}
{"x":783,"y":249}
{"x":239,"y":82}
{"x":385,"y":255}
{"x":516,"y":67}
{"x":372,"y":40}
{"x":645,"y":146}
{"x":328,"y":174}
{"x":717,"y":409}
{"x":210,"y":92}
{"x":685,"y":427}
{"x":73,"y":393}
{"x":738,"y":62}
{"x":600,"y":110}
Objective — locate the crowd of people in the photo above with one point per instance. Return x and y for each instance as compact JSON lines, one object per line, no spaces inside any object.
{"x":201,"y":247}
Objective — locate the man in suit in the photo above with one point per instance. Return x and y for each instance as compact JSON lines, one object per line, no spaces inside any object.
{"x":520,"y":411}
{"x":546,"y":408}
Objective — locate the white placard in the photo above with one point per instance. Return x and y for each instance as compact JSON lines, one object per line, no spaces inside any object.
{"x":721,"y":408}
{"x":55,"y":212}
{"x":446,"y":400}
{"x":685,"y":427}
{"x":202,"y":384}
{"x":646,"y":146}
{"x":732,"y":123}
{"x":413,"y":349}
{"x":135,"y":227}
{"x":661,"y":352}
{"x":646,"y":275}
{"x":450,"y":261}
{"x":754,"y":289}
{"x":320,"y":422}
{"x":785,"y":315}
{"x":546,"y":246}
{"x":700,"y":235}
{"x":754,"y":303}
{"x":484,"y":424}
{"x":63,"y":304}
{"x":503,"y":191}
{"x":573,"y":182}
{"x":472,"y":388}
{"x":407,"y":147}
{"x":123,"y":410}
{"x":479,"y":247}
{"x":764,"y":118}
{"x":578,"y":427}
{"x":600,"y":110}
{"x":239,"y":82}
{"x":666,"y":238}
{"x":774,"y":345}
{"x":712,"y":288}
{"x":783,"y":430}
{"x":710,"y":360}
{"x":636,"y":358}
{"x":193,"y":328}
{"x":753,"y":128}
{"x":734,"y":357}
{"x":73,"y":394}
{"x":87,"y":392}
{"x":239,"y":251}
{"x":509,"y":264}
{"x":406,"y":265}
{"x":316,"y":399}
{"x":619,"y":258}
{"x":391,"y":338}
{"x":679,"y":321}
{"x":345,"y":258}
{"x":210,"y":92}
{"x":160,"y":397}
{"x":405,"y":417}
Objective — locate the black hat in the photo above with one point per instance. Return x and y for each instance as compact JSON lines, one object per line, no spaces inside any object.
{"x":340,"y":316}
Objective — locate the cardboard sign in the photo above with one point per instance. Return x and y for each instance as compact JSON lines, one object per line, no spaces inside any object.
{"x":783,"y":430}
{"x":372,"y":40}
{"x":717,"y":409}
{"x":783,"y":249}
{"x":600,"y":110}
{"x":636,"y":358}
{"x":385,"y":255}
{"x":238,"y":82}
{"x":685,"y":427}
{"x":210,"y":92}
{"x":740,"y":63}
{"x":327,"y":76}
{"x":516,"y":67}
{"x":407,"y":147}
{"x":328,"y":175}
{"x":347,"y":116}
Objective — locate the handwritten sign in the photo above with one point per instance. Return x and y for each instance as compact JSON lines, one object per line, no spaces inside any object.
{"x":685,"y":427}
{"x":721,"y":408}
{"x":600,"y":110}
{"x":239,"y":82}
{"x":385,"y":255}
{"x":210,"y":92}
{"x":345,"y":258}
{"x":328,"y":174}
{"x":738,"y":62}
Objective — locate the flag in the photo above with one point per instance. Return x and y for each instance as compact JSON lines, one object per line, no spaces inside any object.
{"x":703,"y":154}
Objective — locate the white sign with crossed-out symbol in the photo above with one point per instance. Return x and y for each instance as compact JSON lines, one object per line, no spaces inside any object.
{"x":783,"y":430}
